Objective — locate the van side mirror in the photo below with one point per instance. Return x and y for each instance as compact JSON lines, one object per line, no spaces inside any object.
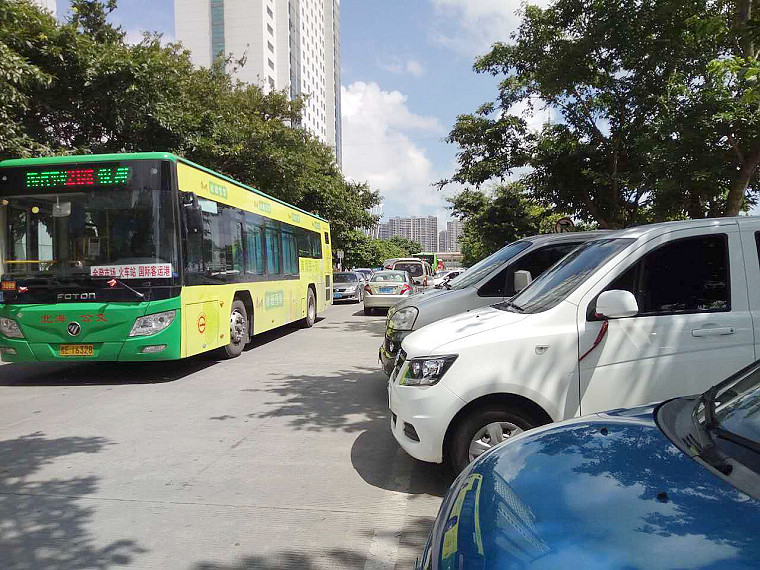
{"x":193,"y":213}
{"x":616,"y":304}
{"x":522,"y":279}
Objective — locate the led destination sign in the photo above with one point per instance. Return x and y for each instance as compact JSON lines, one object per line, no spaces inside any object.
{"x":75,"y":177}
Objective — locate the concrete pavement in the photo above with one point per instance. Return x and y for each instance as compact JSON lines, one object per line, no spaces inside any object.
{"x":281,"y":458}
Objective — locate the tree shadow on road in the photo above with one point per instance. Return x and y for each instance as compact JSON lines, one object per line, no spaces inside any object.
{"x":412,"y":540}
{"x":99,"y":373}
{"x":353,"y":400}
{"x":43,"y":522}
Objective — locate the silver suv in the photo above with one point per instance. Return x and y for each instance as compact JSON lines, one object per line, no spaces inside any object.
{"x":491,"y":280}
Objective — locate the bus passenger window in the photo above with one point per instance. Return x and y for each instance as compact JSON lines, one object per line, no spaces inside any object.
{"x":273,"y":251}
{"x":254,"y":249}
{"x":289,"y":252}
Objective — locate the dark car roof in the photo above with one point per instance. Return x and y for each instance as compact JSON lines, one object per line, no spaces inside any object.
{"x":574,"y":495}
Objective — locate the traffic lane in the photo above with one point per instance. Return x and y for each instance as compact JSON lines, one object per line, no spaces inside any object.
{"x":225,"y":454}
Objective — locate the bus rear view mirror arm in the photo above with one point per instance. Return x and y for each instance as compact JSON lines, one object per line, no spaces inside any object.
{"x":616,"y":304}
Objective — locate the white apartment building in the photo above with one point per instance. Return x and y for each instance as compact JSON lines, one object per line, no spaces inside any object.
{"x":422,"y":230}
{"x":49,"y":5}
{"x":291,"y":45}
{"x":454,"y":233}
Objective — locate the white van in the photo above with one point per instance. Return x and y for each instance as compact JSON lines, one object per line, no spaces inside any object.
{"x":641,"y":315}
{"x":420,"y":270}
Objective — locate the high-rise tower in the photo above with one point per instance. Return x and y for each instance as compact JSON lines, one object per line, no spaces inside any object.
{"x":291,"y":45}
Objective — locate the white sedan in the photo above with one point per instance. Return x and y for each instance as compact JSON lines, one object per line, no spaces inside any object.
{"x":385,"y":289}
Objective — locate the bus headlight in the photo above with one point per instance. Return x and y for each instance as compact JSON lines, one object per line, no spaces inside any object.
{"x":10,"y":328}
{"x":151,"y":324}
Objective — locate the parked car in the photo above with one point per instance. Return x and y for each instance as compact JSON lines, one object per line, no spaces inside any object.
{"x":419,"y":269}
{"x":385,"y":289}
{"x":348,"y":286}
{"x":641,"y":315}
{"x":670,"y":486}
{"x":444,"y":276}
{"x":493,"y":279}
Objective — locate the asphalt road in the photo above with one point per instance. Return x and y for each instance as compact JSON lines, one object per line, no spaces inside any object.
{"x":281,"y":458}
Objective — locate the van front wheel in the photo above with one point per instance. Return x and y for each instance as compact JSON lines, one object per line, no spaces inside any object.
{"x":483,"y":428}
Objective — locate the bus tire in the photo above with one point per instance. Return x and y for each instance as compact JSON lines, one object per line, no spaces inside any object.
{"x":238,"y":331}
{"x":311,"y":309}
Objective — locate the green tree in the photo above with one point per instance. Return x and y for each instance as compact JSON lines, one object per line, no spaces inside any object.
{"x":492,"y":220}
{"x":406,"y":245}
{"x":644,"y":122}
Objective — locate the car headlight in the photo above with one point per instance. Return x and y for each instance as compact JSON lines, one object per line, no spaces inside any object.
{"x":403,"y":319}
{"x":426,"y":371}
{"x":151,"y":324}
{"x":10,"y":328}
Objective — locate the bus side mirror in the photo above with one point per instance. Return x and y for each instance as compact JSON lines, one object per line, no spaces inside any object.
{"x":193,"y":213}
{"x":522,"y":279}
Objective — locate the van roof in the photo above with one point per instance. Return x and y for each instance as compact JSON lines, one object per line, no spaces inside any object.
{"x":663,"y":227}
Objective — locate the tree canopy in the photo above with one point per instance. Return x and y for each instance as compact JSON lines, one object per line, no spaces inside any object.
{"x":80,"y":87}
{"x":655,"y":110}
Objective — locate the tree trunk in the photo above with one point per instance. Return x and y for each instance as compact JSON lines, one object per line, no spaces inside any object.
{"x":739,"y":186}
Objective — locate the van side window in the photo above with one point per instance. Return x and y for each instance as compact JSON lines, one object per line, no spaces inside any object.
{"x":538,"y":261}
{"x":690,"y":275}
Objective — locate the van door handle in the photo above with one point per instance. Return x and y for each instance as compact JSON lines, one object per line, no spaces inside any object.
{"x":717,"y":331}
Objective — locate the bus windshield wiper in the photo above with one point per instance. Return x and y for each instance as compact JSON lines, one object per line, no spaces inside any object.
{"x":113,"y":282}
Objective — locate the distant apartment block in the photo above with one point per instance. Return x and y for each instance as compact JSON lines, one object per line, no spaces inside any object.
{"x":423,"y":230}
{"x":291,"y":45}
{"x":443,"y":243}
{"x":454,"y":233}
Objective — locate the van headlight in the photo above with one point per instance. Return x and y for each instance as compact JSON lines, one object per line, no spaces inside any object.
{"x":10,"y":328}
{"x":152,"y":324}
{"x":426,"y":371}
{"x":403,"y":319}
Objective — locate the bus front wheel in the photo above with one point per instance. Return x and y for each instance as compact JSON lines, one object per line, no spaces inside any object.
{"x":238,"y":331}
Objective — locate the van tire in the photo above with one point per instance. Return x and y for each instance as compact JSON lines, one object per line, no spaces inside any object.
{"x":239,"y":319}
{"x":463,"y":434}
{"x":311,"y":310}
{"x":367,"y":311}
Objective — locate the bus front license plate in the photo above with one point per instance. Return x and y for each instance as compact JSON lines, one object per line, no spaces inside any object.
{"x":76,"y":350}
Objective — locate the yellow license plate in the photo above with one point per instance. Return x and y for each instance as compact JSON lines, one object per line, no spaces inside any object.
{"x":76,"y":350}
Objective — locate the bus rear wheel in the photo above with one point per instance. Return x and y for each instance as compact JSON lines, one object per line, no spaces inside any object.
{"x":238,"y":331}
{"x":311,"y":309}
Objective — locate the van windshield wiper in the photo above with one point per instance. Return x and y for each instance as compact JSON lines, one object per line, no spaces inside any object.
{"x":509,"y":304}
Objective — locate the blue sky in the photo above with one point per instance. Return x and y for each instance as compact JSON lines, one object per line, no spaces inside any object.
{"x":406,"y":73}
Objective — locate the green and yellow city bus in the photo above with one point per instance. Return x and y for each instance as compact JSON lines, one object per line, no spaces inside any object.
{"x":148,"y":256}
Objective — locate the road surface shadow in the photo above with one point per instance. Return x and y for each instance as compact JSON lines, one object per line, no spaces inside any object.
{"x":99,"y":373}
{"x":43,"y":523}
{"x":412,"y":539}
{"x":275,"y":334}
{"x":376,"y":313}
{"x":353,"y":400}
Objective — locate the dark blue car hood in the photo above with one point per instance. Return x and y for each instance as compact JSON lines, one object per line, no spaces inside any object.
{"x":607,"y":492}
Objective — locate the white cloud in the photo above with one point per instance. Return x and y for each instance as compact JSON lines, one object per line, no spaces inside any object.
{"x":472,"y":26}
{"x":380,"y":136}
{"x":411,"y":66}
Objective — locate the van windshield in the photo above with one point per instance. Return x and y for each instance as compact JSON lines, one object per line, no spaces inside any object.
{"x":484,"y":267}
{"x":565,"y":276}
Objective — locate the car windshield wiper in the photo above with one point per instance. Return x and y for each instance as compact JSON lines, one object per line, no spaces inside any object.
{"x":713,"y":425}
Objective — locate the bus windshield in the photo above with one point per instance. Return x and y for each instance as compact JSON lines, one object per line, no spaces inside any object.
{"x":99,"y":221}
